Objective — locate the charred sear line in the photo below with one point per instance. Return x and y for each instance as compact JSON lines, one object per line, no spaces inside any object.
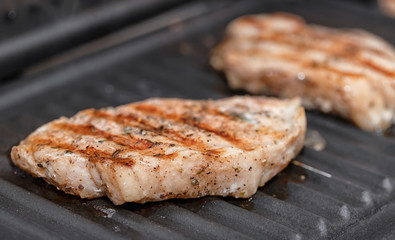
{"x":88,"y":129}
{"x":373,"y":66}
{"x":115,"y":154}
{"x":89,"y":152}
{"x":302,"y":64}
{"x":345,"y":47}
{"x":133,"y":120}
{"x":192,"y":121}
{"x":144,"y":146}
{"x":346,"y":50}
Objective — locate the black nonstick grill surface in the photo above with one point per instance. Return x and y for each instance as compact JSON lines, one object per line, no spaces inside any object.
{"x":40,"y":29}
{"x":345,"y":191}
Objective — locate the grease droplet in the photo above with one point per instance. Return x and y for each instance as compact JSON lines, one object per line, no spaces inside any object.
{"x":314,"y":140}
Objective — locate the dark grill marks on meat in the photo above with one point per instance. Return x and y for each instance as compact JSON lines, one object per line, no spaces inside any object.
{"x":377,"y":68}
{"x":141,"y":122}
{"x":346,"y":50}
{"x":131,"y":142}
{"x":197,"y":120}
{"x":341,"y":49}
{"x":89,"y":152}
{"x":347,"y":72}
{"x":294,"y":58}
{"x":132,"y":120}
{"x":192,"y":121}
{"x":132,"y":155}
{"x":143,"y":146}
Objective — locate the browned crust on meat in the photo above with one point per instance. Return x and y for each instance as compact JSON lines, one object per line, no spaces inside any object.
{"x":131,"y":119}
{"x":93,"y":154}
{"x":148,"y":152}
{"x":190,"y":120}
{"x":363,"y":90}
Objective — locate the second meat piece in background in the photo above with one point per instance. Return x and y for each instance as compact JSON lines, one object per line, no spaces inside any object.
{"x":347,"y":72}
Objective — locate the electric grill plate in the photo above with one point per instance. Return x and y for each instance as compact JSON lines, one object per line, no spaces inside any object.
{"x":345,"y":191}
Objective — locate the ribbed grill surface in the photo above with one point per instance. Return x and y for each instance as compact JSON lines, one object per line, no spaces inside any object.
{"x":345,"y":191}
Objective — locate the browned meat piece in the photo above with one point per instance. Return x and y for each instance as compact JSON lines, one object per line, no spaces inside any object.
{"x":350,"y":73}
{"x":166,"y":148}
{"x":388,"y":7}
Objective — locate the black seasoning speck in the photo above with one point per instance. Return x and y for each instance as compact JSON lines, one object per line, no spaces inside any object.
{"x":153,"y":144}
{"x":127,"y":129}
{"x":194,"y":182}
{"x":115,"y":154}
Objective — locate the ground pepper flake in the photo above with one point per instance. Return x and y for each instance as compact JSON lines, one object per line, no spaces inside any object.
{"x":194,"y":182}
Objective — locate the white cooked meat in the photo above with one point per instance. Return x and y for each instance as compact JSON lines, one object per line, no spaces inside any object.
{"x":347,"y":72}
{"x":166,"y":148}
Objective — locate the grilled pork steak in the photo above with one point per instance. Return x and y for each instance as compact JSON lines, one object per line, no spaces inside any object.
{"x":350,"y":73}
{"x":166,"y":148}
